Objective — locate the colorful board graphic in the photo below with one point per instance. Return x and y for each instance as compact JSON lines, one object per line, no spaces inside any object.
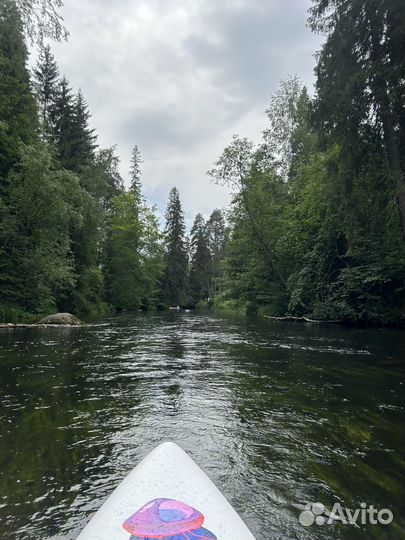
{"x":167,"y":519}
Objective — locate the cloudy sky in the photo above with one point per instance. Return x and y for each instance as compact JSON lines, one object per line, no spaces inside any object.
{"x":179,"y":77}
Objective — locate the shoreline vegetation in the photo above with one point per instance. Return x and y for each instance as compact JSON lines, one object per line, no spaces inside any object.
{"x":315,"y":230}
{"x":202,"y":308}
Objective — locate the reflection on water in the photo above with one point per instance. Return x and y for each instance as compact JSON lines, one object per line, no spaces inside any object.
{"x":279,"y":415}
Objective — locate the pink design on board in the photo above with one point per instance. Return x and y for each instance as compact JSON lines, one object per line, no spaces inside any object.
{"x":167,"y":519}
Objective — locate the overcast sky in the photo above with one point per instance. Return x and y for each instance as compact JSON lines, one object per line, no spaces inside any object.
{"x":179,"y":77}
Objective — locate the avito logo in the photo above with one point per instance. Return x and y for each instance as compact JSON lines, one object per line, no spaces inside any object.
{"x":316,"y":513}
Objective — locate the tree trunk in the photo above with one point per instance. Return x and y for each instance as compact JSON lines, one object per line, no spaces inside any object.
{"x":382,"y":99}
{"x":395,"y":164}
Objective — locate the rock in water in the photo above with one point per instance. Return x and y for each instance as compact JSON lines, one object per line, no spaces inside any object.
{"x":61,"y":318}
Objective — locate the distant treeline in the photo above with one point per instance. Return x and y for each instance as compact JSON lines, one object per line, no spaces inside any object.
{"x":316,"y":225}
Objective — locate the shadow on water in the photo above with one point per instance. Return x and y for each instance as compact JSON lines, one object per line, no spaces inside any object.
{"x":279,"y":415}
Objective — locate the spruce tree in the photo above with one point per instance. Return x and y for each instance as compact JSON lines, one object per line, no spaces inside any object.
{"x":175,"y":279}
{"x":75,"y":144}
{"x":46,"y":77}
{"x":64,"y":124}
{"x":135,"y":171}
{"x":83,"y":137}
{"x":75,"y":140}
{"x":200,"y":270}
{"x":216,"y":240}
{"x":361,"y":81}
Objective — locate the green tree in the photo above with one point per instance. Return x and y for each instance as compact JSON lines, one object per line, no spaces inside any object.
{"x":75,"y":145}
{"x":288,"y":131}
{"x":106,"y":179}
{"x":216,"y":241}
{"x":361,"y":80}
{"x":152,"y":258}
{"x":312,"y":227}
{"x":134,"y":254}
{"x":175,"y":277}
{"x":75,"y":140}
{"x":124,"y":286}
{"x":234,"y":168}
{"x":46,"y":78}
{"x":135,"y":171}
{"x":254,"y":255}
{"x":18,"y":117}
{"x":201,"y":264}
{"x":83,"y":142}
{"x":44,"y":206}
{"x":64,"y":124}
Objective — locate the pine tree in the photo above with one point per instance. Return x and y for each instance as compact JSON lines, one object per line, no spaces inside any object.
{"x":200,"y":269}
{"x":175,"y":279}
{"x":46,"y":76}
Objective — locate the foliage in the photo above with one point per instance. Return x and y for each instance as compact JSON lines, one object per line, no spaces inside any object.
{"x":317,"y":221}
{"x":361,"y":80}
{"x":314,"y":230}
{"x":134,"y":254}
{"x":135,"y":172}
{"x":70,"y":237}
{"x":42,"y":19}
{"x":18,"y":118}
{"x":46,"y":79}
{"x":36,"y":265}
{"x":216,"y":235}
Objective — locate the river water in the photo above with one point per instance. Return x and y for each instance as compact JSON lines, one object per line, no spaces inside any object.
{"x":278,"y":415}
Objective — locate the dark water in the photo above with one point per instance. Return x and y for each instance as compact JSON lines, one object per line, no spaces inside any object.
{"x":279,"y":415}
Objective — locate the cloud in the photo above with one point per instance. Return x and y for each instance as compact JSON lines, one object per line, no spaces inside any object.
{"x":179,"y":77}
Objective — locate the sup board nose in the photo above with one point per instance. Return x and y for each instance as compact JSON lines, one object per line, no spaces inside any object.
{"x":166,"y":496}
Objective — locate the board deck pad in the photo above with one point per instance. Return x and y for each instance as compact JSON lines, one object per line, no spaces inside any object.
{"x":167,"y":497}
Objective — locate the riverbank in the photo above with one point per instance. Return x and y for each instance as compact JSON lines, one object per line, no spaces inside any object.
{"x":253,"y":310}
{"x":20,"y":319}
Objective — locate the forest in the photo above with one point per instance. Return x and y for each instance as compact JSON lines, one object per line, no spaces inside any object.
{"x":316,"y":226}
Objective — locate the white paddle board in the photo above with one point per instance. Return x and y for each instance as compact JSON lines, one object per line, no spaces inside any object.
{"x":167,"y":496}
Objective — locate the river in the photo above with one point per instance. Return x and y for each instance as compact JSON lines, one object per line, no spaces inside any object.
{"x":278,"y":414}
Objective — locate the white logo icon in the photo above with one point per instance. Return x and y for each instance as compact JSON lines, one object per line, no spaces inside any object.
{"x":312,"y":514}
{"x":316,"y":513}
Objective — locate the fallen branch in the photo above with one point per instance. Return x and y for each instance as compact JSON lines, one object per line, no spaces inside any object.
{"x":290,"y":318}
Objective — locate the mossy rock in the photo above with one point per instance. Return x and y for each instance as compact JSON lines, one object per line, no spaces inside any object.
{"x":62,"y":319}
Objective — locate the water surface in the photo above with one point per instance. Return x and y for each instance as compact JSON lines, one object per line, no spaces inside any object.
{"x":279,"y":416}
